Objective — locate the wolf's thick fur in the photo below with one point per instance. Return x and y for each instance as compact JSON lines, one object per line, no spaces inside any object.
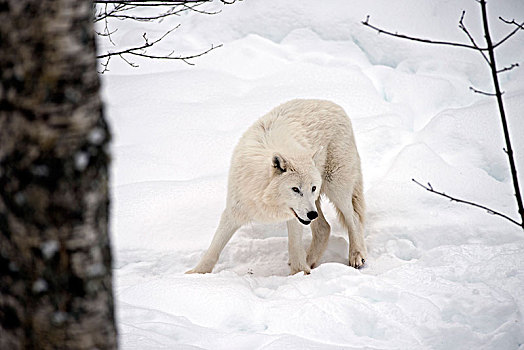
{"x":280,"y":167}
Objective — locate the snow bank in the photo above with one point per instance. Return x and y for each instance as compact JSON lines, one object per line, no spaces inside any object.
{"x":439,"y":275}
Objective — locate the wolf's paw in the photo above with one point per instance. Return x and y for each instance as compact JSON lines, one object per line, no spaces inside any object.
{"x":357,"y":258}
{"x":195,"y":270}
{"x":312,"y":261}
{"x":202,"y":268}
{"x":300,"y":266}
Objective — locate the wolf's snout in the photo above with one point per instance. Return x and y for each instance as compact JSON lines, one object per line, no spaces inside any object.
{"x":312,"y":215}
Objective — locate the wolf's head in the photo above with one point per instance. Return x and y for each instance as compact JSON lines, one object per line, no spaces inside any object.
{"x":294,"y":186}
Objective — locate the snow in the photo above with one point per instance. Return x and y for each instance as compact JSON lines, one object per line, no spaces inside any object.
{"x":440,"y":275}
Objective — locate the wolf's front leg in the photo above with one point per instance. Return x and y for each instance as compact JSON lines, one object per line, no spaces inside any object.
{"x":320,"y":230}
{"x":297,"y":253}
{"x":225,"y":231}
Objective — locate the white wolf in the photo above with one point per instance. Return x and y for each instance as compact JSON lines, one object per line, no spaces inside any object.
{"x":280,"y":167}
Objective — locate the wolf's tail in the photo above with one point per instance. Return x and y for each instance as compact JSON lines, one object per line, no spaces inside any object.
{"x":359,"y":204}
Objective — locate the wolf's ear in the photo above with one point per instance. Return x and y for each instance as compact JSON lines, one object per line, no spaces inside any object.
{"x":279,"y":163}
{"x":317,"y":156}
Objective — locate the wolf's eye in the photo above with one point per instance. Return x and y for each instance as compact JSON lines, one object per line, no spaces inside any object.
{"x":313,"y":188}
{"x":295,"y":189}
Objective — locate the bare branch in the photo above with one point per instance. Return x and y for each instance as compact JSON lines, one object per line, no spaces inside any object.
{"x":519,"y":26}
{"x":146,"y":18}
{"x":103,"y":14}
{"x":132,"y":64}
{"x":502,"y":112}
{"x":185,"y":59}
{"x":490,"y":49}
{"x":105,"y":65}
{"x":483,"y":92}
{"x":192,"y":8}
{"x":505,"y":69}
{"x":512,"y":22}
{"x":173,"y":11}
{"x":490,"y":211}
{"x":123,"y":10}
{"x":139,"y":51}
{"x":466,"y":31}
{"x":108,"y":32}
{"x":149,"y":2}
{"x":146,"y":45}
{"x":427,"y":41}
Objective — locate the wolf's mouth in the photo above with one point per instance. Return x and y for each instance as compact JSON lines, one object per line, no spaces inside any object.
{"x":303,"y":222}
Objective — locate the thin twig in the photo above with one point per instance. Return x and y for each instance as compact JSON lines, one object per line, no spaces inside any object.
{"x":122,"y":10}
{"x":519,"y":26}
{"x":136,"y":50}
{"x":146,"y":18}
{"x":489,"y":210}
{"x":427,"y":41}
{"x":174,"y":11}
{"x":483,"y":92}
{"x":145,"y":46}
{"x":105,"y":65}
{"x":505,"y":69}
{"x":148,"y":2}
{"x":185,"y":59}
{"x":103,"y":14}
{"x":192,"y":8}
{"x":108,"y":32}
{"x":466,"y":31}
{"x":132,"y":64}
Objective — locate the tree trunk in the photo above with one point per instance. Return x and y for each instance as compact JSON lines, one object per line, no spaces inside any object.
{"x":55,"y":259}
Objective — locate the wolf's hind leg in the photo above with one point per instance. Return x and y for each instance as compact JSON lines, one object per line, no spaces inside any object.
{"x":227,"y":227}
{"x":320,"y":230}
{"x":350,"y":210}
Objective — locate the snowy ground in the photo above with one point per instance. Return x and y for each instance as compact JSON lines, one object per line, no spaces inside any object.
{"x":439,"y":275}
